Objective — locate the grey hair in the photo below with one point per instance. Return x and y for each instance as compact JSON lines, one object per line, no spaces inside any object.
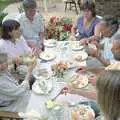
{"x":29,"y":4}
{"x":111,"y":22}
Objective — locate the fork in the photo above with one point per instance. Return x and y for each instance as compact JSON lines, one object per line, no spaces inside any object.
{"x":54,"y":98}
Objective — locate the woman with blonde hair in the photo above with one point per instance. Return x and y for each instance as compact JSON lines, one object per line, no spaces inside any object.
{"x":108,"y":94}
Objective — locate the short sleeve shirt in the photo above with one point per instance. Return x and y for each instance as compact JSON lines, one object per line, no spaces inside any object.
{"x":31,"y":30}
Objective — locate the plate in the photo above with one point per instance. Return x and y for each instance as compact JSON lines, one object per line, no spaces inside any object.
{"x":80,"y":56}
{"x":47,"y":56}
{"x":37,"y":73}
{"x":79,"y":81}
{"x":76,"y":46}
{"x":42,"y":87}
{"x":50,"y":43}
{"x":71,"y":65}
{"x":27,"y":59}
{"x":81,"y":112}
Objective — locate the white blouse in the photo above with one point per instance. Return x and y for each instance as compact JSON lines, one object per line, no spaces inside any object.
{"x":14,"y":49}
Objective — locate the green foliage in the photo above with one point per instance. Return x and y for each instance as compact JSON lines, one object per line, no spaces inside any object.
{"x":2,"y":15}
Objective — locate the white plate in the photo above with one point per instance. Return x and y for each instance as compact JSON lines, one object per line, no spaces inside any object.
{"x":84,"y":107}
{"x":79,"y":81}
{"x":47,"y":56}
{"x":37,"y":73}
{"x":81,"y":54}
{"x":37,"y":88}
{"x":76,"y":46}
{"x":50,"y":43}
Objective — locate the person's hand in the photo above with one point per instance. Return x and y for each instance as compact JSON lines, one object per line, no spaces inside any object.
{"x":81,"y":69}
{"x":83,"y":41}
{"x":65,"y":90}
{"x":94,"y":52}
{"x":31,"y":44}
{"x":68,"y":89}
{"x":90,"y":115}
{"x":42,"y":47}
{"x":36,"y":51}
{"x":3,"y":66}
{"x":31,"y":66}
{"x":92,"y":79}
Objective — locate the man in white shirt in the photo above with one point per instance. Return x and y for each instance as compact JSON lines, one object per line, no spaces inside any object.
{"x":31,"y":25}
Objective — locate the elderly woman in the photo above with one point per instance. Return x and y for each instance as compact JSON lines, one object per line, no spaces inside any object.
{"x":13,"y":97}
{"x":85,"y":25}
{"x":32,"y":26}
{"x":108,"y":94}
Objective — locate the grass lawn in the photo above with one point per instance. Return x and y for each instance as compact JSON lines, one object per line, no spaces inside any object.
{"x":4,"y":4}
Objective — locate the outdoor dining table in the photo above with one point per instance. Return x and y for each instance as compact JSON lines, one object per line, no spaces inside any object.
{"x":63,"y":51}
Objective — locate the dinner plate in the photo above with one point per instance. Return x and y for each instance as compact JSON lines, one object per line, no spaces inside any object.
{"x":71,"y":65}
{"x":47,"y":56}
{"x":80,"y":56}
{"x":76,"y":46}
{"x":50,"y":43}
{"x":38,"y":72}
{"x":42,"y":87}
{"x":79,"y":81}
{"x":81,"y":112}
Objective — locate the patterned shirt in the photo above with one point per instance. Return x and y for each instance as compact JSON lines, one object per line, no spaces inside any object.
{"x":31,"y":30}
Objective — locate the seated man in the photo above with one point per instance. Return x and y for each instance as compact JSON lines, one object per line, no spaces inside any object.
{"x":108,"y":26}
{"x":13,"y":97}
{"x":92,"y":79}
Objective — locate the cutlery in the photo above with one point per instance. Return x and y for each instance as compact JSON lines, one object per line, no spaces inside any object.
{"x":54,"y":98}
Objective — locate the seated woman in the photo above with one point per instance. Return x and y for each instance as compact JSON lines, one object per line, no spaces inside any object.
{"x":108,"y":94}
{"x":12,"y":43}
{"x":85,"y":25}
{"x":13,"y":97}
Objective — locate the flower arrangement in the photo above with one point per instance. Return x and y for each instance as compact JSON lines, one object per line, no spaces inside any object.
{"x":58,"y":28}
{"x":59,"y":68}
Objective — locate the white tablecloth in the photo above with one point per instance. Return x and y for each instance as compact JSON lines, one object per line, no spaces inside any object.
{"x":37,"y":102}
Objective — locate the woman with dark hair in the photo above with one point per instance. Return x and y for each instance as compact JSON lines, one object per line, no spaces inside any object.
{"x":14,"y":45}
{"x":108,"y":94}
{"x":11,"y":41}
{"x":85,"y":25}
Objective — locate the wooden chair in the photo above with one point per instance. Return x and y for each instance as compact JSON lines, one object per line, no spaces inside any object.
{"x":9,"y":115}
{"x":79,"y":4}
{"x":72,"y":3}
